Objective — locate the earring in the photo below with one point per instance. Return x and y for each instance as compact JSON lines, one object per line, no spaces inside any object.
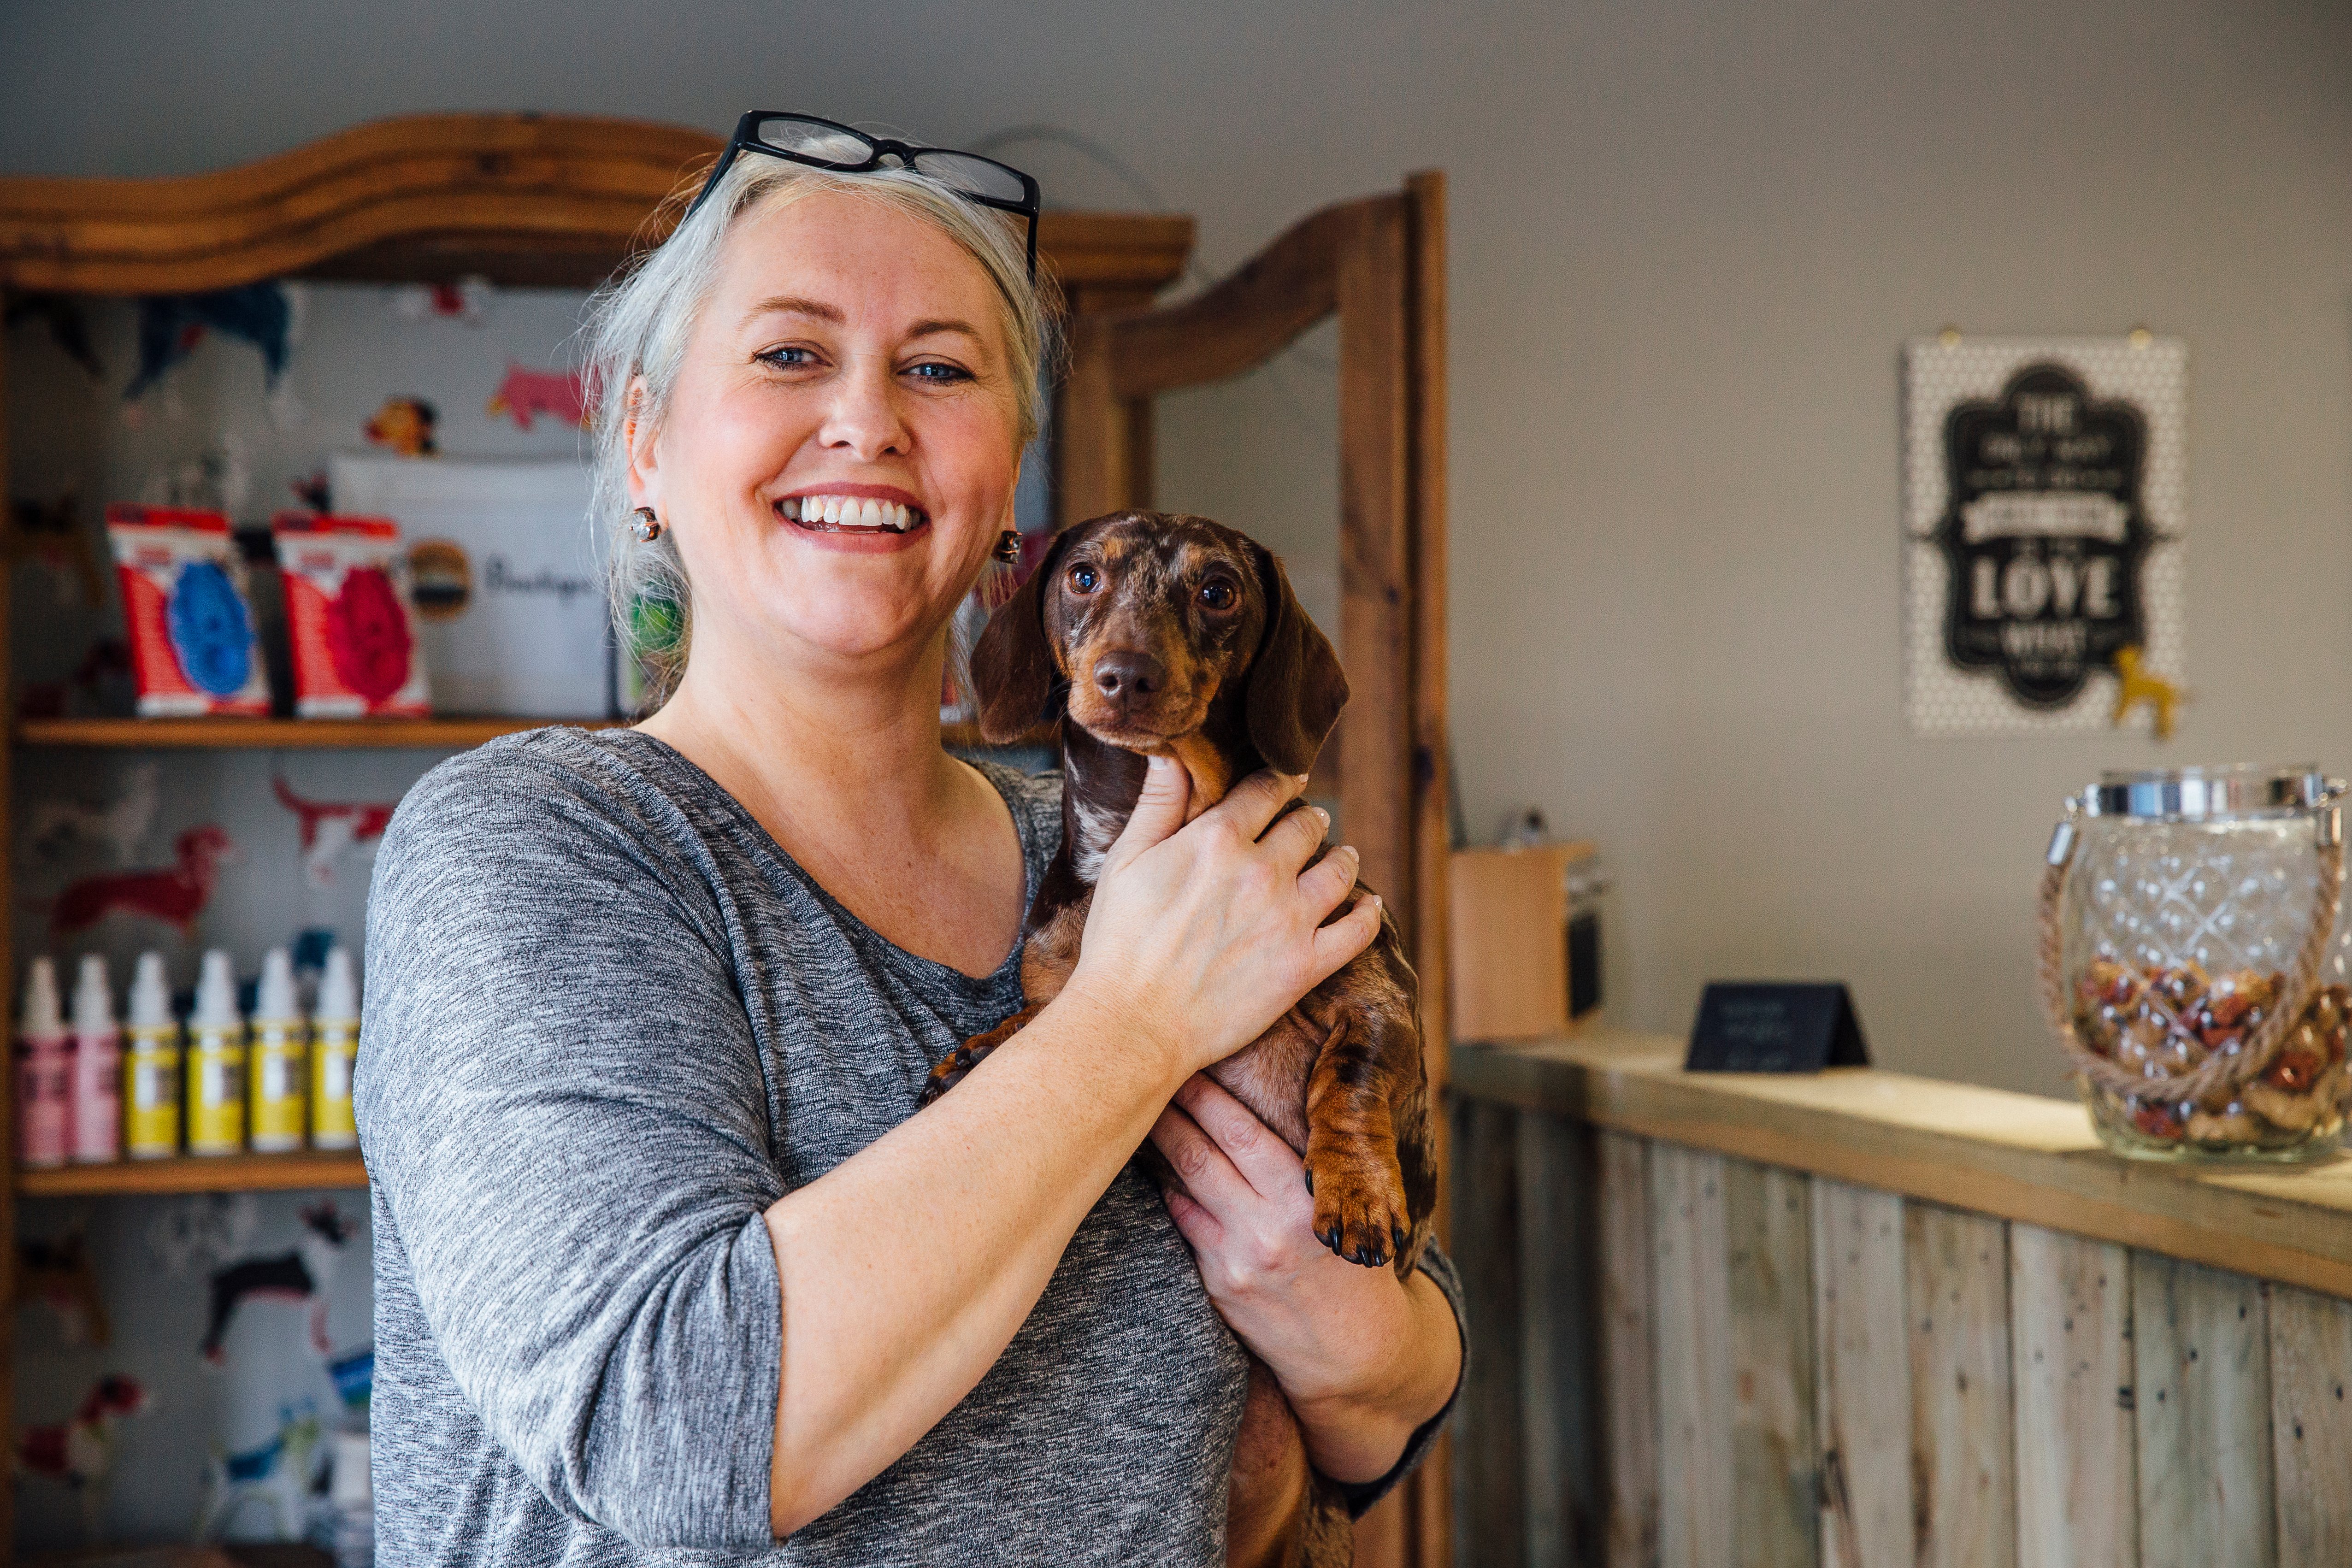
{"x":1008,"y":547}
{"x":646,"y":525}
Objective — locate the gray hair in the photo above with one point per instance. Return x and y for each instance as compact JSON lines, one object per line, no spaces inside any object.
{"x":638,"y":325}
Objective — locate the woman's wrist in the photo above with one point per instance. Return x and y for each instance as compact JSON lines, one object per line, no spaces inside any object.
{"x":1125,"y":1023}
{"x":1358,"y":1412}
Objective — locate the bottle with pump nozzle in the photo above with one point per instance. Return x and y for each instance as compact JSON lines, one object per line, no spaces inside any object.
{"x":151,"y":1067}
{"x":97,"y":1068}
{"x":280,"y":1057}
{"x":43,"y":1071}
{"x":215,"y":1062}
{"x":334,"y":1052}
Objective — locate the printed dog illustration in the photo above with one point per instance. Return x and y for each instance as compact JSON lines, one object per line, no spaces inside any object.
{"x":279,"y":1473}
{"x":329,"y":827}
{"x":1144,"y":633}
{"x":406,"y":425}
{"x":177,"y":896}
{"x":303,"y":1276}
{"x":525,"y":394}
{"x":58,"y":1275}
{"x":120,"y":825}
{"x":80,"y":1452}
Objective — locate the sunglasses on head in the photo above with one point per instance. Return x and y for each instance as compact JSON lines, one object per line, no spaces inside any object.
{"x":824,"y":145}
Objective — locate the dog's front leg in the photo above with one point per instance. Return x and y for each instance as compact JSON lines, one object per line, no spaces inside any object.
{"x":1361,"y":1210}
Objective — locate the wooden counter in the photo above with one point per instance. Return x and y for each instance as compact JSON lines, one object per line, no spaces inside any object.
{"x":2016,"y":1156}
{"x":1861,"y":1319}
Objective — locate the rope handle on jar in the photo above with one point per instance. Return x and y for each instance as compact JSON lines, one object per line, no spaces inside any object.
{"x":2218,"y":1070}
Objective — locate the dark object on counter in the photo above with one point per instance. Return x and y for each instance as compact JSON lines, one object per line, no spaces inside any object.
{"x":1754,"y":1025}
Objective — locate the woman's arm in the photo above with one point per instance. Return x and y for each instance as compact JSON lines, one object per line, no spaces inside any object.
{"x":1365,"y":1358}
{"x":907,"y":1269}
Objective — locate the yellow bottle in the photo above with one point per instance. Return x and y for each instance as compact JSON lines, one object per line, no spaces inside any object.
{"x":334,"y":1052}
{"x":217,"y":1063}
{"x":151,"y":1067}
{"x":278,"y":1060}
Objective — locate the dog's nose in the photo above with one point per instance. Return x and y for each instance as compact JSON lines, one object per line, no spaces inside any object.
{"x":1127,"y":678}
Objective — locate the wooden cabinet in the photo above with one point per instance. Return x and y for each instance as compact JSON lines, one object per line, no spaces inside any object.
{"x":524,"y":200}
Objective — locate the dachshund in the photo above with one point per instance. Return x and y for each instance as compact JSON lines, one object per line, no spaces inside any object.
{"x":1149,"y":634}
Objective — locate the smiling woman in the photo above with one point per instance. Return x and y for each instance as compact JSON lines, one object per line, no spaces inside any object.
{"x":644,"y":323}
{"x":666,"y":1262}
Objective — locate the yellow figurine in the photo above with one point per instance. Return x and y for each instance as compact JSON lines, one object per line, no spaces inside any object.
{"x":2136,"y":686}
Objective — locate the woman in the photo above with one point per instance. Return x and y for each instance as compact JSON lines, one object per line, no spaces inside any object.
{"x":664,"y":1259}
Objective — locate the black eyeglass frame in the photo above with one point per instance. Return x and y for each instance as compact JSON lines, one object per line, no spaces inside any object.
{"x":747,"y":139}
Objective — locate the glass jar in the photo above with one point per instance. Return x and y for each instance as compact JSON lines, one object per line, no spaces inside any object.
{"x":2195,"y":964}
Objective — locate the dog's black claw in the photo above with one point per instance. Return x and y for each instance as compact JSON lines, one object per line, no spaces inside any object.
{"x":1397,"y":1238}
{"x":1331,"y":1239}
{"x":1310,"y":1178}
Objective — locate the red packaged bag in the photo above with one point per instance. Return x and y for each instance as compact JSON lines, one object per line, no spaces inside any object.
{"x":349,"y":619}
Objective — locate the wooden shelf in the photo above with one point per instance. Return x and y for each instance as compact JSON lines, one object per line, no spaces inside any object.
{"x":439,"y":734}
{"x":198,"y":1173}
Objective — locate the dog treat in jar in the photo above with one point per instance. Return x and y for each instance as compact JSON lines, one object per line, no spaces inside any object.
{"x":2194,"y":963}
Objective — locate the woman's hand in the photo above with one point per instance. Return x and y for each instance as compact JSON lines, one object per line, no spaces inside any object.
{"x":1364,"y":1357}
{"x":1202,"y":934}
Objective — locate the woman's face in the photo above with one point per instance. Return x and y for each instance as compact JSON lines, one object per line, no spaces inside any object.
{"x":840,"y":451}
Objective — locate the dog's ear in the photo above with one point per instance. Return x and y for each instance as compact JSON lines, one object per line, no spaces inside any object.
{"x":1012,"y":672}
{"x":1296,"y":687}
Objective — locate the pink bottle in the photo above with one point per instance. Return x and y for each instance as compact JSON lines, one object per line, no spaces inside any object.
{"x":96,"y":1084}
{"x":43,"y":1071}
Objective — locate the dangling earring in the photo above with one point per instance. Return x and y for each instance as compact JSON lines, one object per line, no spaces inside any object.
{"x":1008,"y":547}
{"x":646,"y":525}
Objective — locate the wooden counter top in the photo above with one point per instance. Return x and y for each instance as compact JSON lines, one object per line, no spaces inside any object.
{"x":2016,"y":1156}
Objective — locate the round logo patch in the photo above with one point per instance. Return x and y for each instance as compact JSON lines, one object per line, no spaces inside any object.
{"x":440,"y":579}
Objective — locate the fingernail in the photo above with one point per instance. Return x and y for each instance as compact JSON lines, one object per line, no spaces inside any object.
{"x":1322,"y":816}
{"x":1159,"y":764}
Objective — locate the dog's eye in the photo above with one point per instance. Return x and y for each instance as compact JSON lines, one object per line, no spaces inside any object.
{"x":1218,"y":594}
{"x":1083,"y":578}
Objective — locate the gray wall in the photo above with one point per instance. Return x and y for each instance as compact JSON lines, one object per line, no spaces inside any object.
{"x":1688,"y":243}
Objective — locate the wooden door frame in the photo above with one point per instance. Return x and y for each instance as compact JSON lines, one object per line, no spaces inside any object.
{"x":1379,"y":265}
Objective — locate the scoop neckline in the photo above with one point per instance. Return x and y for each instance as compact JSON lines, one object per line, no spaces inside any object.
{"x":999,"y":778}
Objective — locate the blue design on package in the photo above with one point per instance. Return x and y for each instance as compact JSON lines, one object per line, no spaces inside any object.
{"x":210,"y":629}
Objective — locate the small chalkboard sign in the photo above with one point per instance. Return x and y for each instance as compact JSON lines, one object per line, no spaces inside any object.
{"x":1753,"y":1025}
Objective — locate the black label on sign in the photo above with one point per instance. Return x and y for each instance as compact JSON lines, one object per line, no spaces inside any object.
{"x":1753,"y":1025}
{"x":2044,"y":537}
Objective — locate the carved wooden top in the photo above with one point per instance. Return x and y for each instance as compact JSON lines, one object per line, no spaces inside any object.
{"x":2017,"y":1156}
{"x":525,"y":200}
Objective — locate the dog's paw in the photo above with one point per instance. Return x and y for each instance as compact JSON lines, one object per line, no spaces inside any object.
{"x":951,"y":1071}
{"x":1360,"y":1209}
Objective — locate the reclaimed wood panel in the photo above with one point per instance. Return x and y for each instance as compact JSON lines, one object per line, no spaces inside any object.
{"x":1861,"y":1376}
{"x":1775,"y":1461}
{"x":2311,"y":1426}
{"x":1629,"y":1416}
{"x":1558,"y":1254}
{"x":1489,"y":1466}
{"x":2201,"y":1358}
{"x":1691,"y":1309}
{"x":2077,"y":1473}
{"x":1964,"y":1489}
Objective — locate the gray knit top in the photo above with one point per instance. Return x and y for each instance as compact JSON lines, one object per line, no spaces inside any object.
{"x":609,"y":1022}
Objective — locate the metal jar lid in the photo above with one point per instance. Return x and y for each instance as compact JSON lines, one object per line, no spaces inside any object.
{"x":2201,"y":795}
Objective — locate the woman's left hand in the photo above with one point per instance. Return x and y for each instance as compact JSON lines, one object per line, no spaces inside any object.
{"x":1364,"y":1357}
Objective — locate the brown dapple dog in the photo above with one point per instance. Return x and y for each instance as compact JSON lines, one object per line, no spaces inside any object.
{"x":1149,"y":634}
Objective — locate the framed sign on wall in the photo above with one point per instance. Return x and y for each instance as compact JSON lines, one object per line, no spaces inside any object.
{"x":2045,"y":490}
